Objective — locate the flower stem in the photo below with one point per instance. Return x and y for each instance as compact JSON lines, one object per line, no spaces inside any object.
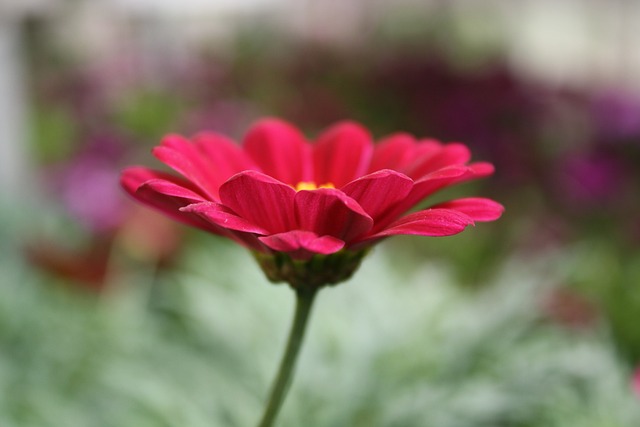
{"x":304,"y":302}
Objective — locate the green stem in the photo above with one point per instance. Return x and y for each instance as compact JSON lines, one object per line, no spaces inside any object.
{"x":304,"y":302}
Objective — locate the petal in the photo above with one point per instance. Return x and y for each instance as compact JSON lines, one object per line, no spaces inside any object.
{"x":452,"y":175}
{"x":442,"y":178}
{"x":342,"y":153}
{"x":261,"y":200}
{"x":302,"y":244}
{"x":422,"y":189}
{"x":221,"y":216}
{"x":280,"y":150}
{"x":477,"y":170}
{"x":133,"y":177}
{"x":378,"y":191}
{"x":223,"y":222}
{"x":431,"y":160}
{"x":171,"y":189}
{"x":430,"y":222}
{"x":393,"y":152}
{"x":223,"y":157}
{"x":477,"y":208}
{"x":328,"y":211}
{"x":435,"y":181}
{"x":165,"y":193}
{"x":183,"y":157}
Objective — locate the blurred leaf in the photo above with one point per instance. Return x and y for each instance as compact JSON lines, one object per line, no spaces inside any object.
{"x":53,"y":134}
{"x":197,"y":347}
{"x":148,"y":114}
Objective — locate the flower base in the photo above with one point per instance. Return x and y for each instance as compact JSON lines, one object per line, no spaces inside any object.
{"x":314,"y":273}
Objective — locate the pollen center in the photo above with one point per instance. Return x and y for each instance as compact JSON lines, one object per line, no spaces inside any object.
{"x":309,"y":185}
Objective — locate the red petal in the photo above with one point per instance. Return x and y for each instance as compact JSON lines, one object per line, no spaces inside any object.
{"x":421,"y":190}
{"x":223,"y":157}
{"x":171,"y":189}
{"x":302,"y":244}
{"x":432,"y":160}
{"x":183,"y":157}
{"x":477,"y":208}
{"x":261,"y":200}
{"x":437,"y":180}
{"x":221,"y":216}
{"x":477,"y":170}
{"x":393,"y":152}
{"x":430,"y":222}
{"x":328,"y":211}
{"x":133,"y":178}
{"x":378,"y":191}
{"x":280,"y":150}
{"x":163,"y":192}
{"x":342,"y":153}
{"x":432,"y":183}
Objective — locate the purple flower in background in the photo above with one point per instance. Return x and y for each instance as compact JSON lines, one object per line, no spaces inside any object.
{"x":616,"y":115}
{"x":591,"y":179}
{"x":599,"y":174}
{"x":88,"y":184}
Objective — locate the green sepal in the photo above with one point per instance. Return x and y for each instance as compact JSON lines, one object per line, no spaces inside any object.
{"x":316,"y":272}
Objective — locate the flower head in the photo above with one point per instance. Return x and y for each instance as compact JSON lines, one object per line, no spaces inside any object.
{"x":309,"y":212}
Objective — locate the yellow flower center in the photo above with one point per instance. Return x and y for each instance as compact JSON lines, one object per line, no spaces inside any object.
{"x":308,"y":185}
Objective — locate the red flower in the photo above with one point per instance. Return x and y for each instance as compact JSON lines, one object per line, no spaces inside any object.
{"x":284,"y":198}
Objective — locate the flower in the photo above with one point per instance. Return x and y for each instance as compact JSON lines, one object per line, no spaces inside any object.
{"x":309,"y":212}
{"x":86,"y":184}
{"x":616,"y":116}
{"x":591,"y":180}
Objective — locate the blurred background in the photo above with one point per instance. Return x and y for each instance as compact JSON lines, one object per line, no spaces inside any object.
{"x":111,"y":315}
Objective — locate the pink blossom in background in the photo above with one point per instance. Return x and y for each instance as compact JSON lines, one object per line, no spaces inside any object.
{"x":592,"y":179}
{"x":616,"y":115}
{"x":87,"y":184}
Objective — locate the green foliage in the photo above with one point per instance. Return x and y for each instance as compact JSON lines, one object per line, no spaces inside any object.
{"x":610,"y":275}
{"x":53,"y":134}
{"x":197,"y":346}
{"x":147,"y":114}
